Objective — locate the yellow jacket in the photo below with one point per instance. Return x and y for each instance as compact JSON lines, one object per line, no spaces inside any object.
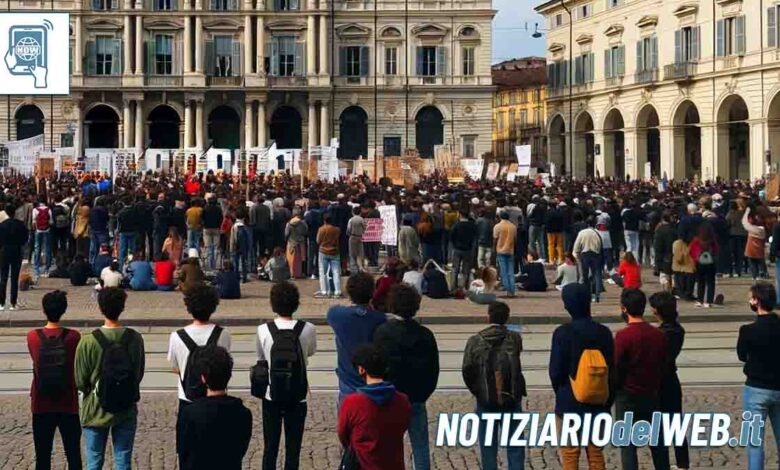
{"x":681,"y":258}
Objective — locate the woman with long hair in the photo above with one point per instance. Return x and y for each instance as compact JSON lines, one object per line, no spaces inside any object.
{"x":430,"y":237}
{"x":295,"y":232}
{"x":631,"y":272}
{"x":173,"y":246}
{"x":704,"y":251}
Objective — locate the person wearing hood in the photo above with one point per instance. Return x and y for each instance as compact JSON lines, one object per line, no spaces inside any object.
{"x":372,"y":422}
{"x":295,"y":233}
{"x":217,"y":421}
{"x":569,"y":341}
{"x":479,"y":358}
{"x":413,"y":359}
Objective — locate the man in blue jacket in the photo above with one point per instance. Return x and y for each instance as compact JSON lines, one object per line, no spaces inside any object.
{"x":569,"y":340}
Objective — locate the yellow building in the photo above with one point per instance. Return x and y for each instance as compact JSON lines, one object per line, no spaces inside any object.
{"x":519,"y":110}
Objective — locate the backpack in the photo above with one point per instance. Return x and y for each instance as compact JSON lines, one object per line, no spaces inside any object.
{"x":193,"y":387}
{"x":42,"y":219}
{"x":437,"y":287}
{"x":591,"y":385}
{"x":117,"y":387}
{"x":288,"y":381}
{"x":51,"y":375}
{"x":706,"y":258}
{"x":242,"y":239}
{"x":503,"y":383}
{"x":61,"y":217}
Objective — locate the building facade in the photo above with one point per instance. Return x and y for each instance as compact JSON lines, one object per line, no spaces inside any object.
{"x":519,"y":114}
{"x":684,"y":86}
{"x":381,"y":76}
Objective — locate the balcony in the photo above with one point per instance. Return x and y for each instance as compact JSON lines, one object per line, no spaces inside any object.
{"x":231,"y":81}
{"x":286,"y":81}
{"x":166,"y":80}
{"x":646,"y":76}
{"x":613,"y":81}
{"x":730,"y":62}
{"x":680,"y":71}
{"x":353,"y":81}
{"x":103,"y":81}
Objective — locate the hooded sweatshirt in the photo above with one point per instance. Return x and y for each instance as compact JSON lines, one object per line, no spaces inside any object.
{"x":568,"y":342}
{"x":372,"y":423}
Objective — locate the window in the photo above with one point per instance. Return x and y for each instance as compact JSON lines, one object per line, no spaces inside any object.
{"x":558,"y":74}
{"x":223,"y":46}
{"x":583,"y":68}
{"x":468,"y":61}
{"x":537,"y":95}
{"x":104,"y":5}
{"x":647,"y":54}
{"x":224,"y":5}
{"x":285,"y":57}
{"x":584,"y":11}
{"x":615,"y":62}
{"x":391,"y":61}
{"x":163,"y":54}
{"x":469,"y":146}
{"x":523,"y":118}
{"x":686,"y":44}
{"x":392,"y":146}
{"x":558,"y":21}
{"x":431,"y":60}
{"x":428,"y":61}
{"x":164,"y":5}
{"x":771,"y":25}
{"x":286,"y":5}
{"x":613,"y":3}
{"x":537,"y":116}
{"x":104,"y":57}
{"x":353,"y":61}
{"x":730,"y":36}
{"x":512,"y":120}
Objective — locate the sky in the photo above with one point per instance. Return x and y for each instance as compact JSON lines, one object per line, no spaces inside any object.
{"x":510,"y":39}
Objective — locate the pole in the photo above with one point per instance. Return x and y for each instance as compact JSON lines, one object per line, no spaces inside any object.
{"x":569,"y":77}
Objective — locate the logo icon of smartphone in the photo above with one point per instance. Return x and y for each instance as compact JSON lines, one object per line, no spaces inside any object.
{"x":28,"y":45}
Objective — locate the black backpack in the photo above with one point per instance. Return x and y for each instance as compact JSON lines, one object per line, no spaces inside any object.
{"x":437,"y":284}
{"x":288,"y":380}
{"x":117,"y":387}
{"x":500,"y":369}
{"x":52,"y":373}
{"x":193,"y":387}
{"x":61,"y":217}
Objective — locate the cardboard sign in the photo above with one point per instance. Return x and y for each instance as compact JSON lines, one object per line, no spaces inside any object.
{"x":492,"y":170}
{"x":389,"y":225}
{"x":374,"y":230}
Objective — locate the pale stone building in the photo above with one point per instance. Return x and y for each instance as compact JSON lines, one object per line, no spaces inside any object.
{"x":236,"y":74}
{"x":691,"y":87}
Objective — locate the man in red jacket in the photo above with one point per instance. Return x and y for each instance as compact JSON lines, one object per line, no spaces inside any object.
{"x":372,"y":421}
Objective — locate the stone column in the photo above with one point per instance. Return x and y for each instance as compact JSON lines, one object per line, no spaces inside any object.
{"x":311,"y":58}
{"x":199,"y":140}
{"x":261,"y":139}
{"x":187,"y":123}
{"x":126,"y":43}
{"x":312,"y":124}
{"x":324,"y":65}
{"x":324,"y":124}
{"x":78,"y":140}
{"x":187,"y":44}
{"x":139,"y":126}
{"x":78,"y":58}
{"x":248,"y":45}
{"x":260,"y":47}
{"x":139,"y":45}
{"x":127,"y":125}
{"x":756,"y":152}
{"x":198,"y":44}
{"x":249,"y":126}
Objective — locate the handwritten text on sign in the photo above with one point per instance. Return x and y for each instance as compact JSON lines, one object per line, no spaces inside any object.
{"x":373,"y":231}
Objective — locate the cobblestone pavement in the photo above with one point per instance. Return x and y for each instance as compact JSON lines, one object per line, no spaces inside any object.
{"x":143,"y":307}
{"x":155,"y":438}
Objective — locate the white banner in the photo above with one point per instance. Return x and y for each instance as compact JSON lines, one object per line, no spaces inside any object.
{"x":389,"y":225}
{"x":23,"y":154}
{"x":473,"y":167}
{"x":523,"y":159}
{"x":35,"y":49}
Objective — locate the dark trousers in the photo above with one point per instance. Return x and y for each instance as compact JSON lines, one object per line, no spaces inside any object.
{"x":643,"y":408}
{"x":261,"y":242}
{"x":179,"y":450}
{"x":44,"y":425}
{"x":757,"y":267}
{"x":738,"y":254}
{"x":670,"y":401}
{"x":59,"y":241}
{"x":684,"y":285}
{"x":590,"y":264}
{"x":294,"y":418}
{"x":10,"y":266}
{"x":705,"y":279}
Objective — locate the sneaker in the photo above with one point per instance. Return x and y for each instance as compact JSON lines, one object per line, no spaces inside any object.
{"x":2,"y":308}
{"x":336,"y":296}
{"x":699,"y":304}
{"x":707,"y":305}
{"x":313,"y":277}
{"x":320,"y":295}
{"x":13,"y":307}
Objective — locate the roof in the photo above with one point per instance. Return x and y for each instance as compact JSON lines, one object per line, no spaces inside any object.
{"x":526,"y":72}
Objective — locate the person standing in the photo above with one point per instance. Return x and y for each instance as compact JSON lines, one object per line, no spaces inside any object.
{"x":260,"y":217}
{"x":353,"y":325}
{"x":127,"y":221}
{"x":757,"y":348}
{"x":53,"y":396}
{"x":313,"y":219}
{"x":194,"y":217}
{"x":355,"y":229}
{"x":485,"y":224}
{"x":464,"y":239}
{"x":588,"y":251}
{"x":504,"y":236}
{"x":328,"y":237}
{"x":640,"y":359}
{"x":212,"y":220}
{"x":98,"y":228}
{"x":13,"y":237}
{"x":240,"y":245}
{"x":295,"y":233}
{"x":42,"y":220}
{"x":704,"y":251}
{"x":295,"y":342}
{"x":413,"y":364}
{"x":110,"y":395}
{"x":554,"y":225}
{"x":755,"y":245}
{"x":684,"y":270}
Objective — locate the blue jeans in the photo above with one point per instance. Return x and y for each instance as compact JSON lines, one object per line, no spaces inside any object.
{"x":767,"y":404}
{"x":332,"y":263}
{"x":418,"y":437}
{"x":96,"y":239}
{"x":515,"y":456}
{"x":505,"y":263}
{"x":632,"y":242}
{"x":240,"y":264}
{"x":126,"y":247}
{"x":591,"y":269}
{"x":122,"y":439}
{"x":211,"y":240}
{"x":42,"y":238}
{"x":194,"y":237}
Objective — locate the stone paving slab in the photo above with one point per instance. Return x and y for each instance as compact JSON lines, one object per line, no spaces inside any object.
{"x":167,"y":308}
{"x":154,"y":447}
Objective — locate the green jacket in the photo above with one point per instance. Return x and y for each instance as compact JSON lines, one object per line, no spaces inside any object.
{"x":88,"y":360}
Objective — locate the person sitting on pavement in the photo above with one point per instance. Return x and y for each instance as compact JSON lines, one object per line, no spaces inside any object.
{"x":60,"y":270}
{"x":102,"y":260}
{"x":482,"y":290}
{"x":414,"y":277}
{"x":139,"y":271}
{"x":80,"y":271}
{"x":383,"y":284}
{"x":228,"y":282}
{"x":190,"y":273}
{"x":630,"y":272}
{"x":277,"y":268}
{"x":164,"y":270}
{"x":567,"y":273}
{"x":111,"y":276}
{"x":532,"y":277}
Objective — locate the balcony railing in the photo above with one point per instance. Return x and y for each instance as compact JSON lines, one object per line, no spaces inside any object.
{"x":281,"y":81}
{"x":103,"y":81}
{"x":225,"y":81}
{"x":646,"y":76}
{"x":614,"y":81}
{"x":166,"y":80}
{"x":731,"y":62}
{"x":680,"y":71}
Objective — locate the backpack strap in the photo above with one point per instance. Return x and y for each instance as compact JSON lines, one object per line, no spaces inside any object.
{"x":214,"y":336}
{"x":41,"y":335}
{"x":101,"y":339}
{"x":185,"y":338}
{"x":298,"y":329}
{"x":273,"y":329}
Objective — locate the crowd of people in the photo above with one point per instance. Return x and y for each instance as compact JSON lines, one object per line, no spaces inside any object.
{"x":468,"y":240}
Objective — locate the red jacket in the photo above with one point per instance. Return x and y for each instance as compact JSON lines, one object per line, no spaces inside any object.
{"x":372,"y":422}
{"x":696,"y":250}
{"x":631,"y":273}
{"x":163,"y":272}
{"x":192,"y":187}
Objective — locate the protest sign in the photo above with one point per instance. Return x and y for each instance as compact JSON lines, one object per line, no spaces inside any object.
{"x":389,"y":225}
{"x":374,"y":230}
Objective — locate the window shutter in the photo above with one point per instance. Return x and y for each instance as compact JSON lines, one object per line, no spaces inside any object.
{"x":343,"y":61}
{"x":771,"y":26}
{"x":117,"y":69}
{"x":235,"y":59}
{"x":96,"y":4}
{"x":300,"y":54}
{"x":115,"y":4}
{"x":591,"y":67}
{"x":654,"y":52}
{"x":364,"y":61}
{"x":91,"y":58}
{"x":740,"y":34}
{"x":211,"y":58}
{"x":274,"y":56}
{"x":178,"y":58}
{"x":621,"y":60}
{"x":720,"y":38}
{"x":441,"y":61}
{"x":695,"y":44}
{"x":640,"y":57}
{"x":294,"y":5}
{"x":678,"y":56}
{"x":150,"y":64}
{"x":174,"y":7}
{"x":578,"y":72}
{"x":551,"y":75}
{"x":564,"y":75}
{"x":419,"y":70}
{"x":608,"y":63}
